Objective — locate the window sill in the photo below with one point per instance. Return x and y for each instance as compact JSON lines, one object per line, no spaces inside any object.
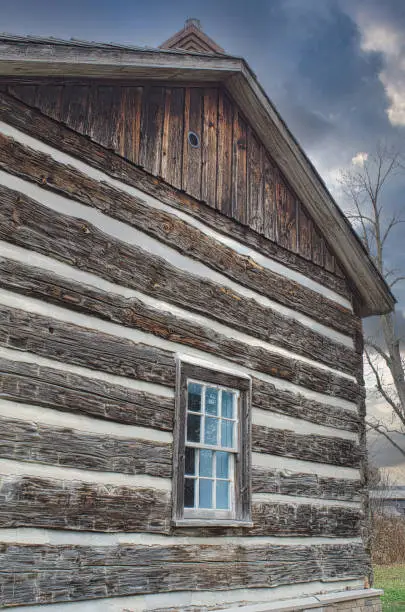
{"x":210,"y":523}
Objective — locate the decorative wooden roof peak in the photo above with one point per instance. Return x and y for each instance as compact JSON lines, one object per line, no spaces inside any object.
{"x":192,"y":38}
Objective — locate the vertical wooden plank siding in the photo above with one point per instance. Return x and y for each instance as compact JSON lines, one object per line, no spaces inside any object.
{"x":255,"y":211}
{"x":230,"y":169}
{"x":73,"y":105}
{"x":209,"y":147}
{"x":304,"y":234}
{"x":131,"y":111}
{"x":151,"y":129}
{"x":239,"y":169}
{"x":173,"y":134}
{"x":192,"y":156}
{"x":270,"y":219}
{"x":224,"y":155}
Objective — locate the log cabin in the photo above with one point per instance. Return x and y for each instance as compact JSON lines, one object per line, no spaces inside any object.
{"x":182,"y":403}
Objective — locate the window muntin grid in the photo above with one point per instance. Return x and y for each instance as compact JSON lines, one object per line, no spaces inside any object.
{"x":211,"y":446}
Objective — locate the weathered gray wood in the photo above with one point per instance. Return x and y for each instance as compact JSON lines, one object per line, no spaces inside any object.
{"x":27,"y":223}
{"x":290,"y":519}
{"x":71,"y":343}
{"x":304,"y":485}
{"x":28,"y":501}
{"x":51,"y":388}
{"x":30,"y":441}
{"x":33,"y":574}
{"x":267,"y":397}
{"x":53,"y":288}
{"x":44,"y":170}
{"x":42,"y":386}
{"x":308,"y":447}
{"x":34,"y":123}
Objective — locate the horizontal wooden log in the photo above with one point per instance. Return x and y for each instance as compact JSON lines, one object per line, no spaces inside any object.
{"x":31,"y":441}
{"x":31,"y":383}
{"x":134,"y":313}
{"x":37,"y":442}
{"x":43,"y":386}
{"x":78,"y":345}
{"x":41,"y":573}
{"x":53,"y":133}
{"x":308,"y":447}
{"x":66,"y":180}
{"x":304,"y":485}
{"x":26,"y":223}
{"x":281,"y":331}
{"x":266,"y":396}
{"x":290,"y":519}
{"x":28,"y":501}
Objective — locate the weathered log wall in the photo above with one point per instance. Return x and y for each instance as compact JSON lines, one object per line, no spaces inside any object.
{"x":89,"y":327}
{"x":93,"y":572}
{"x":230,"y":170}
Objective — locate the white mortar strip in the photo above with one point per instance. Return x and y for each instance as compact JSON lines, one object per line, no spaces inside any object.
{"x":122,"y":381}
{"x":82,"y":423}
{"x":69,"y":272}
{"x":155,"y":203}
{"x":9,"y":468}
{"x":146,"y":603}
{"x":23,"y":535}
{"x":132,"y":236}
{"x":32,"y":305}
{"x":276,"y":498}
{"x":277,"y":421}
{"x":290,"y":466}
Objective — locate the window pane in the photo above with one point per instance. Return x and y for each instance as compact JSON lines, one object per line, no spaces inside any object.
{"x":190,"y":461}
{"x":222,"y":494}
{"x":227,"y":434}
{"x":211,"y":401}
{"x":222,"y":465}
{"x":227,"y":404}
{"x":206,"y":462}
{"x":189,"y":492}
{"x":206,"y":493}
{"x":194,"y":397}
{"x":211,"y":429}
{"x":193,"y":427}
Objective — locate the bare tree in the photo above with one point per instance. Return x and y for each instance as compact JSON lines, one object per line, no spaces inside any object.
{"x":375,"y":221}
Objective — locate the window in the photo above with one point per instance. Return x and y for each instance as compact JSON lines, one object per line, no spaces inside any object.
{"x":212,"y":447}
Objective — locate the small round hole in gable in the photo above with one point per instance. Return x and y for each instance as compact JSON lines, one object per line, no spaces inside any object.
{"x":193,"y":140}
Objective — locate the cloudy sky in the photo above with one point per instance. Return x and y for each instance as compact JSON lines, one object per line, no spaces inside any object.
{"x":334,"y":68}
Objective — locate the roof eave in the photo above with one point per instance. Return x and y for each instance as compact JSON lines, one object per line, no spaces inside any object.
{"x":23,"y":59}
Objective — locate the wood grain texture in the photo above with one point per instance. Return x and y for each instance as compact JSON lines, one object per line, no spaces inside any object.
{"x":46,"y":172}
{"x":104,"y":128}
{"x":290,"y":519}
{"x":44,"y":386}
{"x":39,"y":126}
{"x":31,"y":383}
{"x":28,"y":501}
{"x":32,"y":441}
{"x":34,"y":574}
{"x":301,"y":484}
{"x":251,"y":356}
{"x":267,"y":397}
{"x":134,"y":313}
{"x":78,"y":345}
{"x":307,"y":447}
